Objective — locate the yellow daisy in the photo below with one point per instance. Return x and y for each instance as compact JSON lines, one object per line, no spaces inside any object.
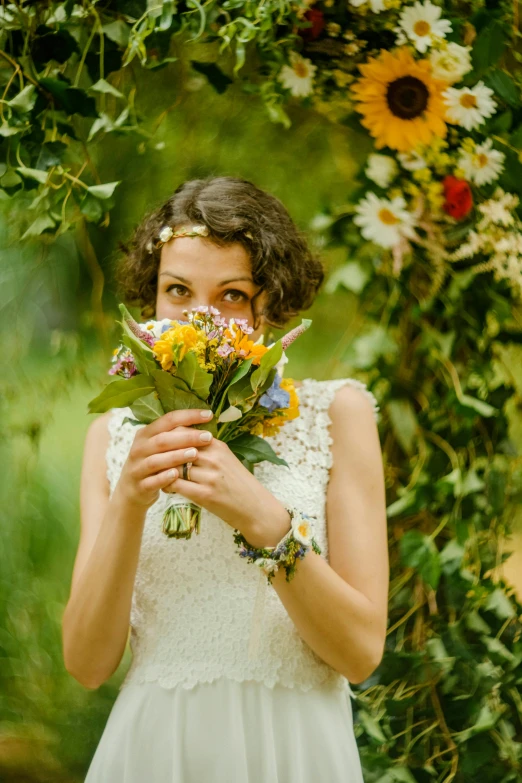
{"x":400,"y":101}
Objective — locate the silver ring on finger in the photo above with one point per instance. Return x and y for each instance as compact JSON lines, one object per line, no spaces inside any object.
{"x":186,"y":470}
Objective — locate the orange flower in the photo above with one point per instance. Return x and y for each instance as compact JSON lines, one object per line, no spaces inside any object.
{"x":240,"y":342}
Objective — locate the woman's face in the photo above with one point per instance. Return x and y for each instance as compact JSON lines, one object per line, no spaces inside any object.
{"x":193,"y":271}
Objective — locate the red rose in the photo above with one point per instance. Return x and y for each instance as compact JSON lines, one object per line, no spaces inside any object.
{"x":458,"y":198}
{"x":316,"y":17}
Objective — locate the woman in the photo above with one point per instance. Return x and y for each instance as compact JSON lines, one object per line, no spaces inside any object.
{"x":200,"y":702}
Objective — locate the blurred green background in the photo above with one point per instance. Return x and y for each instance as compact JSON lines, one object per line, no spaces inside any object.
{"x":56,"y":350}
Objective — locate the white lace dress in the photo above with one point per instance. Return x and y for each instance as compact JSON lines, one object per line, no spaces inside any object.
{"x":221,"y":687}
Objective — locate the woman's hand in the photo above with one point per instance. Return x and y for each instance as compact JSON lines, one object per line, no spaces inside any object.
{"x":220,"y":483}
{"x":158,"y":450}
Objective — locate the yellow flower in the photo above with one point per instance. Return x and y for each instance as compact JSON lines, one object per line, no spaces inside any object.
{"x":175,"y":342}
{"x":292,"y":412}
{"x":240,"y":342}
{"x":400,"y":101}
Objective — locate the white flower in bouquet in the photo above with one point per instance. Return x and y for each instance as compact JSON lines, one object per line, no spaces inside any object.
{"x":469,"y":106}
{"x":157,"y":327}
{"x":381,"y":169}
{"x":482,"y":164}
{"x":384,"y":221}
{"x":451,"y":62}
{"x":422,"y":25}
{"x":298,"y":76}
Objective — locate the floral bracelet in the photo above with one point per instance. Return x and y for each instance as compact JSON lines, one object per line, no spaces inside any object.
{"x":293,"y":546}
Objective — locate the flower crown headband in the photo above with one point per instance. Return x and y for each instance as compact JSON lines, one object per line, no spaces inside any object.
{"x":167,"y":233}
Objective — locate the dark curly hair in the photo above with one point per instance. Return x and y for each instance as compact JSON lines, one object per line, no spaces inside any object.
{"x":282,"y":262}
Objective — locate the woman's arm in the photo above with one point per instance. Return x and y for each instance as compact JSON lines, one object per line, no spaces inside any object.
{"x":95,"y":622}
{"x":340,"y":608}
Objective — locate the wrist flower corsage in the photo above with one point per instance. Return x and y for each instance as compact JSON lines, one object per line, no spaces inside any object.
{"x":294,"y":545}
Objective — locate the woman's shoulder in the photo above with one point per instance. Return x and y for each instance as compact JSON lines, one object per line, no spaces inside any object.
{"x":328,"y":394}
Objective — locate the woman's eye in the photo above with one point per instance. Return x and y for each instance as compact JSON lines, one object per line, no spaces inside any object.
{"x":179,"y":287}
{"x":238,"y":296}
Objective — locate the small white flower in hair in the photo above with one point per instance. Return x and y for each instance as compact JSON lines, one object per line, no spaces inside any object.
{"x":165,"y":234}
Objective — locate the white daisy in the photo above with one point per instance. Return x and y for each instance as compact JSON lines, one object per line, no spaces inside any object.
{"x":483,"y":165}
{"x":384,"y":221}
{"x":469,"y":106}
{"x":298,"y":76}
{"x":302,"y":530}
{"x":450,"y":63}
{"x":421,"y":23}
{"x":411,"y":161}
{"x":376,"y":5}
{"x":381,"y":169}
{"x":156,"y":327}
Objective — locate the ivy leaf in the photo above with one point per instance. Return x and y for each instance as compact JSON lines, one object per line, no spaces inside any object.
{"x":118,"y":32}
{"x":419,"y":551}
{"x":103,"y":86}
{"x":70,"y":99}
{"x":103,"y":191}
{"x":38,"y":226}
{"x":37,"y":174}
{"x":25,"y":100}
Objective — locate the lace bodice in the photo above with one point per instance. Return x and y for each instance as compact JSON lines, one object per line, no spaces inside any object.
{"x":193,"y":600}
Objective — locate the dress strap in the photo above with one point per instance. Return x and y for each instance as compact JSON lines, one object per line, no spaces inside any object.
{"x":318,"y":396}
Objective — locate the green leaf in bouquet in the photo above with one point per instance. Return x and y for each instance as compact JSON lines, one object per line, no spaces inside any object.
{"x":241,"y":394}
{"x":143,"y":354}
{"x":196,"y":378}
{"x":254,"y":449}
{"x":121,"y":393}
{"x":174,"y":395}
{"x":240,"y":372}
{"x":166,"y":386}
{"x":268,"y":361}
{"x":147,"y":409}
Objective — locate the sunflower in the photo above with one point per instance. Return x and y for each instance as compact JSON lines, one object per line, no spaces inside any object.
{"x":400,"y":101}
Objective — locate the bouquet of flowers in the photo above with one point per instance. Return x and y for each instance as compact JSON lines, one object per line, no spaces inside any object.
{"x":203,"y":362}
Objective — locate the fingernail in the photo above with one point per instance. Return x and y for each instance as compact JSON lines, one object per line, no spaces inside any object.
{"x":173,"y":474}
{"x":206,"y":414}
{"x":206,"y":436}
{"x":190,"y":453}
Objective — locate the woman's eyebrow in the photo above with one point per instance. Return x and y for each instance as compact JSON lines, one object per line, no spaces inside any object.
{"x":223,"y":282}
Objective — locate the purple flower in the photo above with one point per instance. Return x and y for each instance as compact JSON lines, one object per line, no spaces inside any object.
{"x":275,"y":397}
{"x":224,"y":350}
